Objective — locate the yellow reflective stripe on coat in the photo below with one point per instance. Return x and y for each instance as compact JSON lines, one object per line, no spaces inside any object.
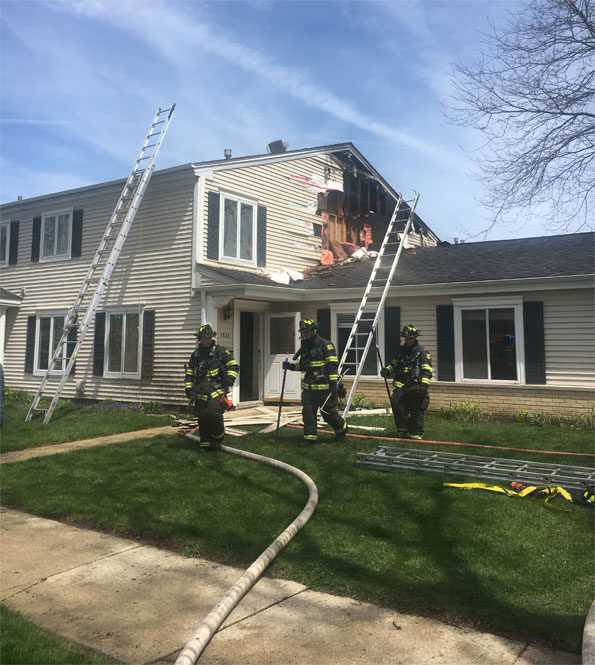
{"x":332,"y":359}
{"x":213,"y":372}
{"x":316,"y":363}
{"x":428,"y":367}
{"x":315,"y":386}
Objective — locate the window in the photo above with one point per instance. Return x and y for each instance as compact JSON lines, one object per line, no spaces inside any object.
{"x":48,"y":332}
{"x":343,"y":322}
{"x":122,"y":344}
{"x":238,"y":224}
{"x":489,"y":341}
{"x":56,"y":230}
{"x":4,"y":243}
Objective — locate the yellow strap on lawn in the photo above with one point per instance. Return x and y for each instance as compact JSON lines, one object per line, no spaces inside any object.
{"x":551,"y":492}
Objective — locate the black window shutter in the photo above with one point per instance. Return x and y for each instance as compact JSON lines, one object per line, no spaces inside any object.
{"x":392,"y":333}
{"x":70,"y":343}
{"x":30,"y":344}
{"x":77,"y":233}
{"x":534,"y":342}
{"x":99,"y":344}
{"x":14,"y":243}
{"x":148,"y":343}
{"x":446,"y":342}
{"x":323,"y":318}
{"x":261,"y":237}
{"x":213,"y":226}
{"x":36,"y":239}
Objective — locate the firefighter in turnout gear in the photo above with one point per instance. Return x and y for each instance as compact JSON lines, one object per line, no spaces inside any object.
{"x":318,"y":359}
{"x":210,"y":373}
{"x":412,"y":371}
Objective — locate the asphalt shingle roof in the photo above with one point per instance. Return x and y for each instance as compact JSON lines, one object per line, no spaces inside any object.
{"x":549,"y":256}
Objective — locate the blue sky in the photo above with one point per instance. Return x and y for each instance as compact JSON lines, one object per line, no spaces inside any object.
{"x":81,"y":79}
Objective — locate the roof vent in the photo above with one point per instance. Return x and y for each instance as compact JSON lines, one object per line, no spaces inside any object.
{"x":227,"y":153}
{"x":277,"y":147}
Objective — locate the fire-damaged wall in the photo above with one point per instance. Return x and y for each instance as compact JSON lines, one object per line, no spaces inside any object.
{"x":359,"y":215}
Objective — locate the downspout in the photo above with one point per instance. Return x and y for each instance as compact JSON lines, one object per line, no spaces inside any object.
{"x":194,"y":648}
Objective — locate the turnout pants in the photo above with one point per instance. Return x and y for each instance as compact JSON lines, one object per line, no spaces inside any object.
{"x":409,"y":405}
{"x":312,"y":400}
{"x":210,"y":421}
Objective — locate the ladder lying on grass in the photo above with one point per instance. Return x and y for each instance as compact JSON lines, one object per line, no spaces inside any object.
{"x":475,"y":466}
{"x":366,"y":322}
{"x":103,"y":263}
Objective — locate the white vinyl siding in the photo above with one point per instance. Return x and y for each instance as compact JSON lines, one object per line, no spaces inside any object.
{"x":154,"y":270}
{"x":291,"y":209}
{"x":569,"y":322}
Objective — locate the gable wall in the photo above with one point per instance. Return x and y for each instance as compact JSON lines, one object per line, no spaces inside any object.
{"x":288,"y":245}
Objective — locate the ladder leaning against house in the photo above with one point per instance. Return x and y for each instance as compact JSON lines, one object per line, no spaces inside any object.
{"x":80,"y":316}
{"x":365,"y":322}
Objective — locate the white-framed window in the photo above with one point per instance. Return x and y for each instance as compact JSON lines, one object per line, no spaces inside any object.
{"x":56,"y":235}
{"x":237,"y":229}
{"x":342,"y":318}
{"x":48,"y":331}
{"x":4,"y":242}
{"x":489,"y":340}
{"x":123,"y":336}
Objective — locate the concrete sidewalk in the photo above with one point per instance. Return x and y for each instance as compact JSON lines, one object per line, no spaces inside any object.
{"x":140,"y":604}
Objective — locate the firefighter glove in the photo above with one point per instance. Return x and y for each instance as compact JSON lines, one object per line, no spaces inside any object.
{"x":189,"y":393}
{"x":288,"y":365}
{"x":384,"y":372}
{"x":341,"y":392}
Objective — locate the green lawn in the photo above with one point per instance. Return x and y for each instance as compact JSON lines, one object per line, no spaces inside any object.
{"x":70,"y":423}
{"x":400,"y":540}
{"x":24,"y":643}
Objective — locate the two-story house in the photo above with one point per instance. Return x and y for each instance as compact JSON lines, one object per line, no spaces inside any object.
{"x":252,"y":244}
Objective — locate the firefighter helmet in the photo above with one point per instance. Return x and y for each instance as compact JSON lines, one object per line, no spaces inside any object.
{"x":410,"y":331}
{"x":307,"y":324}
{"x":206,"y":331}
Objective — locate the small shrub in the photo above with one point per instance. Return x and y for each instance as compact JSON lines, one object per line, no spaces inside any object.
{"x":467,"y":411}
{"x":538,"y":419}
{"x":358,"y":401}
{"x":16,"y":396}
{"x":520,"y":416}
{"x":586,"y":420}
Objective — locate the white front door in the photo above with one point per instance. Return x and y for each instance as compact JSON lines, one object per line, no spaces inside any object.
{"x":281,"y":334}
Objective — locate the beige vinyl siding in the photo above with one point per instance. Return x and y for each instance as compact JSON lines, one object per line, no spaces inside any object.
{"x":153,"y":271}
{"x":288,"y":245}
{"x":569,"y":321}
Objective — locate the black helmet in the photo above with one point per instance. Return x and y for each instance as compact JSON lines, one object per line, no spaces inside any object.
{"x":206,"y":331}
{"x":307,"y":324}
{"x":410,"y":331}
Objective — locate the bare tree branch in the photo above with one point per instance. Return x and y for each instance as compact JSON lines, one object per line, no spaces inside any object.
{"x":532,"y":95}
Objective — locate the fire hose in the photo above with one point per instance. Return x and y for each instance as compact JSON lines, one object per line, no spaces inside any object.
{"x":194,"y":648}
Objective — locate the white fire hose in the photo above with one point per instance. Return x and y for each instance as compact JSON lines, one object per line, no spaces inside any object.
{"x":194,"y":648}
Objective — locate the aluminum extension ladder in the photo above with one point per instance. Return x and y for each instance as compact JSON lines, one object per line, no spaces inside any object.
{"x":366,"y":323}
{"x":104,"y":261}
{"x":475,"y":466}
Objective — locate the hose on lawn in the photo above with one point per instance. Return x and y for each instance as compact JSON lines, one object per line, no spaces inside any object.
{"x":194,"y":648}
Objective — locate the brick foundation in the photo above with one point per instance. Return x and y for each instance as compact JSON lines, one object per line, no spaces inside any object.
{"x":498,"y":401}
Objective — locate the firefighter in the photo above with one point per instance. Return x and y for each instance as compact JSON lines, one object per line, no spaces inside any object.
{"x":210,"y":373}
{"x":318,"y":359}
{"x":412,"y":372}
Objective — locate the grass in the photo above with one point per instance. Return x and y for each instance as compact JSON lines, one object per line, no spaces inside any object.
{"x":24,"y":643}
{"x":70,"y":422}
{"x":400,"y":540}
